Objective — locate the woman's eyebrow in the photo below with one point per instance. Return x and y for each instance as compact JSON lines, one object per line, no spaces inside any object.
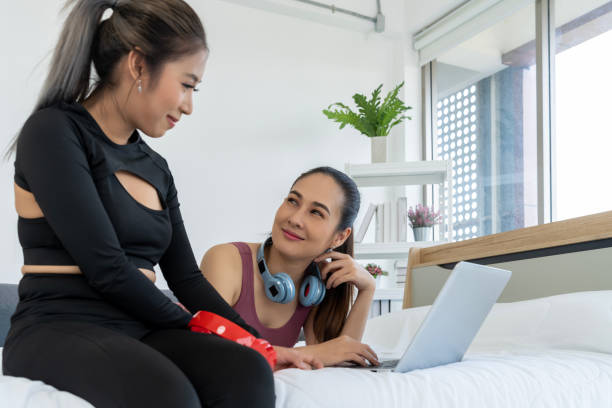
{"x":315,"y":203}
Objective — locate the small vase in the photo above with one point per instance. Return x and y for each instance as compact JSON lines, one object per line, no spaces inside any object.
{"x":382,"y":281}
{"x":423,"y":233}
{"x":379,"y":149}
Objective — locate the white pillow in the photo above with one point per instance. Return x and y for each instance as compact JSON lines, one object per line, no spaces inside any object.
{"x":581,"y":321}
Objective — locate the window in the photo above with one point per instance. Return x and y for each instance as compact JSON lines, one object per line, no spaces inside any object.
{"x":538,"y":138}
{"x":484,"y":114}
{"x":583,"y":88}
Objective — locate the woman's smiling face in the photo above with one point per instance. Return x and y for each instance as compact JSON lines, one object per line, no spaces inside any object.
{"x":306,"y":223}
{"x":161,"y":103}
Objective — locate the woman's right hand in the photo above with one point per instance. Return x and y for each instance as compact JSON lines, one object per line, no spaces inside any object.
{"x":342,"y":349}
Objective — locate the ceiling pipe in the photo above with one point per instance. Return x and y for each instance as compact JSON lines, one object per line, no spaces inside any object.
{"x":379,"y":20}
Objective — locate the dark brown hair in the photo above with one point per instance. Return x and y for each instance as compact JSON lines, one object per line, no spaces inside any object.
{"x":331,"y":314}
{"x":163,"y":30}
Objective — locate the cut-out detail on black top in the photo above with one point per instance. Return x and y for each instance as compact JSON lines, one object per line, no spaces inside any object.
{"x":67,"y":162}
{"x":126,"y":178}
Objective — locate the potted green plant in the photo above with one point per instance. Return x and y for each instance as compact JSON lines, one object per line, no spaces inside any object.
{"x":423,"y":219}
{"x":374,"y":118}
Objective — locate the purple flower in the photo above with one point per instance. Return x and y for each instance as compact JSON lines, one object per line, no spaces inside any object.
{"x":423,"y":216}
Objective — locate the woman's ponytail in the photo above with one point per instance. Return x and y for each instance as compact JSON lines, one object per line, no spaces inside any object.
{"x":70,"y":70}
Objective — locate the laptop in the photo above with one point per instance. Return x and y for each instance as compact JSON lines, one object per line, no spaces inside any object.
{"x":453,"y":320}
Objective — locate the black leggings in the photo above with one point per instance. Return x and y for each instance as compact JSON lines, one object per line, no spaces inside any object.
{"x":166,"y":368}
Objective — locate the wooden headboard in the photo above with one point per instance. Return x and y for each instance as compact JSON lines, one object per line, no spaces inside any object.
{"x":562,"y":237}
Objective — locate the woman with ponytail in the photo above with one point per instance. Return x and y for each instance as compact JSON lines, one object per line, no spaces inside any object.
{"x":303,"y":276}
{"x":98,"y":208}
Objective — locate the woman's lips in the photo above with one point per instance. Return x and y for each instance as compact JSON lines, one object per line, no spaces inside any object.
{"x":172,"y":121}
{"x":291,"y":236}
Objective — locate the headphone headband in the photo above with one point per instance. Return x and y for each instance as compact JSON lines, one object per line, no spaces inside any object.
{"x":261,"y":260}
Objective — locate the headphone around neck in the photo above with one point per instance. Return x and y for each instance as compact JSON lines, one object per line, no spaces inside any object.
{"x":280,"y":288}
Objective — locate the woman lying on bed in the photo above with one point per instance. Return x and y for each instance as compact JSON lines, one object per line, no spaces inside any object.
{"x":304,"y":274}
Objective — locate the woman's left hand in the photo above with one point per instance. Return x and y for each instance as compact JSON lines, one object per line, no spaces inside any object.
{"x":343,"y":268}
{"x":290,"y":357}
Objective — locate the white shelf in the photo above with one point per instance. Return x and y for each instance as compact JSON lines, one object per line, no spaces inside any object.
{"x":389,"y":250}
{"x":400,"y":173}
{"x":388,"y":294}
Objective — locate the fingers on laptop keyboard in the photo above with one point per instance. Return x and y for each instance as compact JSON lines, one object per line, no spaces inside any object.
{"x":364,"y":357}
{"x":371,"y":356}
{"x":358,"y":359}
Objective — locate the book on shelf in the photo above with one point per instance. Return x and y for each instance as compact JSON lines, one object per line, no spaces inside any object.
{"x":400,"y":267}
{"x":387,"y":222}
{"x":402,"y":219}
{"x":394,"y":221}
{"x":380,"y":214}
{"x":365,"y":223}
{"x":375,"y":309}
{"x":391,"y":222}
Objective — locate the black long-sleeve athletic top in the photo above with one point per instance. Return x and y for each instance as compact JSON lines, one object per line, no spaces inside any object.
{"x":90,"y":220}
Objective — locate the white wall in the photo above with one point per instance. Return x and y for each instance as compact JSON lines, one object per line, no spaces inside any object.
{"x":257,"y":121}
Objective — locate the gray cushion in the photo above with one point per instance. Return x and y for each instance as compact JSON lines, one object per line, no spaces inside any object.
{"x":8,"y":303}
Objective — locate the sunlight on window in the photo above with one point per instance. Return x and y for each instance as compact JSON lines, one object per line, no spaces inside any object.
{"x":583,"y":129}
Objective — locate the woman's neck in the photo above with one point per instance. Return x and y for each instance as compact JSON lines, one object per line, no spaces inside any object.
{"x":104,"y":108}
{"x":293,"y":267}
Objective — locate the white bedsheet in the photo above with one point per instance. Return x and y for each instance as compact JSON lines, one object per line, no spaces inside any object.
{"x":17,"y":392}
{"x":548,"y":352}
{"x":519,"y":378}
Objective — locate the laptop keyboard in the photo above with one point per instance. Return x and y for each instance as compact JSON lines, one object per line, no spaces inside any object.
{"x":386,"y":364}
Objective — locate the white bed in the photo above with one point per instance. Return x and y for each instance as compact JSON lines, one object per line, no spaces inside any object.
{"x":550,"y":352}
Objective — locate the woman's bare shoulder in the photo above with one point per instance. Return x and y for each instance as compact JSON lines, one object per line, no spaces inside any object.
{"x":222,"y":253}
{"x":222,"y":267}
{"x":254,"y":246}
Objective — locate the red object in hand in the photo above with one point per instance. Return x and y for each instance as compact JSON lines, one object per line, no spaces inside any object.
{"x":207,"y":322}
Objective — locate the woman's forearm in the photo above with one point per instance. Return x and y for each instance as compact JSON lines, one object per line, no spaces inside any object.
{"x":356,"y":320}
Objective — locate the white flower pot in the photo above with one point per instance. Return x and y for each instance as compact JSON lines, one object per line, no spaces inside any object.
{"x":379,"y":149}
{"x":423,"y":233}
{"x":383,"y":281}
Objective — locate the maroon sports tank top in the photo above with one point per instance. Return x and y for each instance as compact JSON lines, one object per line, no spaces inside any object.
{"x":286,"y":335}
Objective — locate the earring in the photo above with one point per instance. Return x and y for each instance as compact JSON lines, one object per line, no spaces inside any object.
{"x":139,"y":86}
